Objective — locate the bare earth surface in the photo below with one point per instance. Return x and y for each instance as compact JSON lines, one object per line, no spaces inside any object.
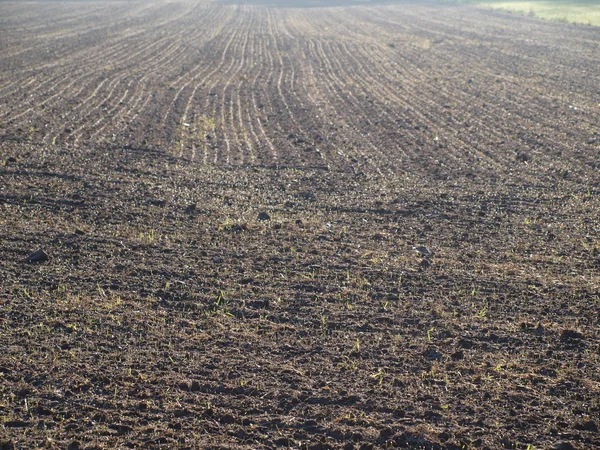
{"x":140,"y":141}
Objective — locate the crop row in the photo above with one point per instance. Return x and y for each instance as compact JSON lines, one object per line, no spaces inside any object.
{"x":389,"y":89}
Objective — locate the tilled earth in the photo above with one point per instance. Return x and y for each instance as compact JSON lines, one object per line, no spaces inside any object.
{"x":326,"y":280}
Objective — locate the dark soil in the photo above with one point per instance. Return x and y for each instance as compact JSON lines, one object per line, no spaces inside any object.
{"x":230,"y":200}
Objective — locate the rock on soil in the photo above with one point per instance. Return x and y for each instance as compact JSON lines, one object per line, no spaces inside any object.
{"x":38,"y":256}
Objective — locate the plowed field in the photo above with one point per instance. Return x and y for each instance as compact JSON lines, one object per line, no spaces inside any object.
{"x":315,"y":227}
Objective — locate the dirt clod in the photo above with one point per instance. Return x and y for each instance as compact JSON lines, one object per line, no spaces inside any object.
{"x":458,"y":355}
{"x":570,"y":336}
{"x":263,"y":216}
{"x":589,"y":425}
{"x":564,"y":445}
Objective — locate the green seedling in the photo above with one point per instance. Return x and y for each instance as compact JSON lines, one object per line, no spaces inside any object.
{"x":379,"y":376}
{"x":431,"y":330}
{"x":483,"y":312}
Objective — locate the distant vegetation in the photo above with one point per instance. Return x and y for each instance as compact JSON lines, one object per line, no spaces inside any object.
{"x":582,"y":11}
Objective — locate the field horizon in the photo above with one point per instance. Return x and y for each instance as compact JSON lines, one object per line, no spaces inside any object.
{"x":583,"y":11}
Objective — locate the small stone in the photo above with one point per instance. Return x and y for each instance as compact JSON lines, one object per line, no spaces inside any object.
{"x":195,"y":387}
{"x":263,"y":216}
{"x":423,"y":251}
{"x":38,"y":256}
